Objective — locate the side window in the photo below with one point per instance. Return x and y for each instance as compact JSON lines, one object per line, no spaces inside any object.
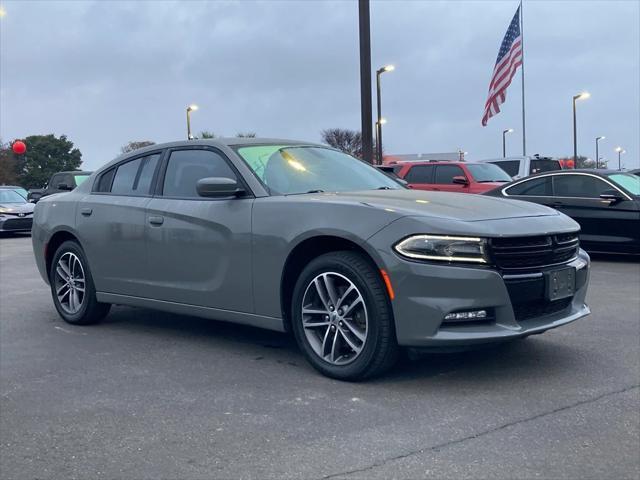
{"x":512,"y":167}
{"x":545,"y":165}
{"x":103,"y":184}
{"x":186,"y":167}
{"x":142,"y":184}
{"x":419,"y":174}
{"x":125,"y":177}
{"x":56,"y":180}
{"x":584,"y":186}
{"x":445,"y":173}
{"x":537,"y":187}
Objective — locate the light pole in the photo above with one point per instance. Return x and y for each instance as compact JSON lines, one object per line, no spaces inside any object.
{"x":620,"y":151}
{"x":190,"y":108}
{"x":379,"y":122}
{"x":378,"y":129}
{"x":580,"y":96}
{"x":597,"y":157}
{"x":504,"y":141}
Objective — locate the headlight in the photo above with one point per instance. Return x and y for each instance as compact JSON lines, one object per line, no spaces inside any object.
{"x":444,"y":248}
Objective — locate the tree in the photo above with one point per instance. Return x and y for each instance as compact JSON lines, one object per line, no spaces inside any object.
{"x":207,"y":134}
{"x":9,"y":165}
{"x":135,"y":145}
{"x":246,"y":135}
{"x":45,"y":156}
{"x":347,"y":141}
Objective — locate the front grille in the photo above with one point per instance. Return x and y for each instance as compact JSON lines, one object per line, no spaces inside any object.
{"x":533,"y":252}
{"x":17,"y":224}
{"x":527,"y":311}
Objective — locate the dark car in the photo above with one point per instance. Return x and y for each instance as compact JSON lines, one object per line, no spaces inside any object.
{"x":460,"y":177}
{"x":16,"y":214}
{"x":606,"y":204}
{"x":264,"y":232}
{"x":59,"y":182}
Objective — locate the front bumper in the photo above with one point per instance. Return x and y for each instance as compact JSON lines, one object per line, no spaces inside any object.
{"x":427,"y":292}
{"x":13,"y":223}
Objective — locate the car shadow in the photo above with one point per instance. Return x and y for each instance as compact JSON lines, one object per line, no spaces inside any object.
{"x":533,"y":358}
{"x":609,"y":257}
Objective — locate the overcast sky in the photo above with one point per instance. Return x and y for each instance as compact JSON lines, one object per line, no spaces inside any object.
{"x":106,"y":72}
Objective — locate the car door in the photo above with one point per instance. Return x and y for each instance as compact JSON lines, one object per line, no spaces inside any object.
{"x":420,"y":177}
{"x":604,"y":224}
{"x":199,"y":249}
{"x":111,"y":225}
{"x":443,"y":179}
{"x":537,"y":189}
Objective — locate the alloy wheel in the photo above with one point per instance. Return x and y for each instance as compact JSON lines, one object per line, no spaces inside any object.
{"x":70,"y":283}
{"x":334,"y":318}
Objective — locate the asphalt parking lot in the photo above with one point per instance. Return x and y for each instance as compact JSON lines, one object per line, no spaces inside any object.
{"x":154,"y":395}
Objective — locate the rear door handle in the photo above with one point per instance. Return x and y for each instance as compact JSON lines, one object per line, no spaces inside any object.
{"x":86,"y":211}
{"x":156,"y":220}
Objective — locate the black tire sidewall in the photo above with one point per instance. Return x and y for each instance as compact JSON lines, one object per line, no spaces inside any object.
{"x":341,"y":264}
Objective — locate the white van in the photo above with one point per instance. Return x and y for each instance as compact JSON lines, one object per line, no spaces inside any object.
{"x":519,"y":167}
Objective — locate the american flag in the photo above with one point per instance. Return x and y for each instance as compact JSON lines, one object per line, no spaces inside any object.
{"x":509,"y":59}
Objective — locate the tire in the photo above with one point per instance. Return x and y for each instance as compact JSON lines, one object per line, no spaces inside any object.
{"x":81,"y":308}
{"x":366,"y":344}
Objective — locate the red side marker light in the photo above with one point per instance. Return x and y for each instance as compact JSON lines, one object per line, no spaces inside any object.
{"x":387,"y":282}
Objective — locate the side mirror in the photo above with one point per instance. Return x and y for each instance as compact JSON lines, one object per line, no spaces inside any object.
{"x":460,"y":180}
{"x":218,"y":187}
{"x":612,"y":195}
{"x":64,"y":186}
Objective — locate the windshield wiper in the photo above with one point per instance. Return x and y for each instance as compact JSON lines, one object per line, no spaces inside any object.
{"x":315,"y":191}
{"x":384,"y":188}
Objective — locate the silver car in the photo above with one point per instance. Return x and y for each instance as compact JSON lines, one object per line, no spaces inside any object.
{"x":299,"y":237}
{"x":16,"y":214}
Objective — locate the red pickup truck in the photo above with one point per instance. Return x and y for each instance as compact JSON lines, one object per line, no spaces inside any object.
{"x":462,"y":177}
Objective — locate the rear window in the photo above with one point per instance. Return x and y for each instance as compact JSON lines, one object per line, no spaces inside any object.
{"x":544,"y":165}
{"x":627,"y":181}
{"x":512,"y":167}
{"x":419,"y":174}
{"x":79,"y":179}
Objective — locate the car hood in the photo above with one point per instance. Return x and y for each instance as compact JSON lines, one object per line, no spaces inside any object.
{"x":17,"y":207}
{"x":454,"y":206}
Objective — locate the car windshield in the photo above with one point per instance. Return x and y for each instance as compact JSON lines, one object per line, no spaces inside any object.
{"x":10,"y":196}
{"x":80,"y":178}
{"x":488,"y":172}
{"x":627,"y":181}
{"x":291,"y":169}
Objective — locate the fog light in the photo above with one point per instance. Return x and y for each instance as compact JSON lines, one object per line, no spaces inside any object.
{"x":471,"y":315}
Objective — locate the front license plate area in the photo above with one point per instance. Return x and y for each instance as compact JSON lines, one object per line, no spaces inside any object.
{"x":561,"y":283}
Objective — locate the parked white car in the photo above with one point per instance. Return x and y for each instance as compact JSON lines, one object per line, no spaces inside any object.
{"x":520,"y":167}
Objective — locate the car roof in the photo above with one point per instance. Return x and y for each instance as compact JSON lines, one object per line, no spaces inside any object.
{"x":432,"y":162}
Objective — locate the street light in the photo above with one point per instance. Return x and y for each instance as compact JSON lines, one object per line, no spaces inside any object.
{"x":620,"y":150}
{"x":580,"y":96}
{"x":379,"y":122}
{"x":504,"y":141}
{"x":190,"y":108}
{"x":597,"y":157}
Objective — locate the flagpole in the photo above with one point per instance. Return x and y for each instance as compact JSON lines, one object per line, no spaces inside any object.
{"x":524,"y":129}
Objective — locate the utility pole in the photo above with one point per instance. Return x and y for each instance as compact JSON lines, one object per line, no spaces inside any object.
{"x":366,"y":113}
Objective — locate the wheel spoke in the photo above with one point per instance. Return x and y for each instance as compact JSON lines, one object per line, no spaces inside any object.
{"x":324,"y":341}
{"x":353,"y":304}
{"x":353,"y":346}
{"x":331,"y":291}
{"x":314,"y":311}
{"x":62,"y":287}
{"x":61,"y":272}
{"x":72,"y":306}
{"x":333,"y":346}
{"x":65,"y":268}
{"x":80,"y":289}
{"x":321,"y":294}
{"x":316,"y":324}
{"x":353,"y":329}
{"x":344,"y":296}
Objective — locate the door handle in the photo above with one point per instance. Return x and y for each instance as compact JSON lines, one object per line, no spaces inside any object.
{"x":86,"y":211}
{"x":156,"y":220}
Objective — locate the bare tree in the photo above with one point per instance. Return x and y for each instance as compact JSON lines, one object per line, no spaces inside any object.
{"x":135,"y":145}
{"x":207,"y":134}
{"x":348,"y":141}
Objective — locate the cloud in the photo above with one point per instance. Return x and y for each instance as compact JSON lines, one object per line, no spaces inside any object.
{"x":106,"y":72}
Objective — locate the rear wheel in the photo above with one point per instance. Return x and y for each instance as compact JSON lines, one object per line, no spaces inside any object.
{"x":72,"y":288}
{"x":342,"y":317}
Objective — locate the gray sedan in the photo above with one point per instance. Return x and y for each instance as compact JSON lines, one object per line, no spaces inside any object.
{"x":299,"y":237}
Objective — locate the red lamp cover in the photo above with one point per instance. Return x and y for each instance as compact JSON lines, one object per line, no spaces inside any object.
{"x":19,"y":147}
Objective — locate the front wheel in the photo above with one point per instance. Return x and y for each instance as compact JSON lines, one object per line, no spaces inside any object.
{"x":72,"y":288}
{"x":342,"y":317}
